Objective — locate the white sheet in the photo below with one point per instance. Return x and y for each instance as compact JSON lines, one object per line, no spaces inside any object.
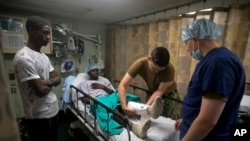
{"x":245,"y":104}
{"x":161,"y":129}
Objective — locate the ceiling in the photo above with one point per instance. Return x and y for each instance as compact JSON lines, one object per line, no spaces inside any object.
{"x":112,"y":11}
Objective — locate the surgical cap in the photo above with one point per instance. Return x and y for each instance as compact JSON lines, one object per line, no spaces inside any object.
{"x":91,"y":67}
{"x":201,"y":29}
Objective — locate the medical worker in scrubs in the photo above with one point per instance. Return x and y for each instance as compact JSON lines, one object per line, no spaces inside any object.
{"x":216,"y":88}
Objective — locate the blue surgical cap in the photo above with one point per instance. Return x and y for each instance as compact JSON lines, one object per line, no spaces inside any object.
{"x":92,"y":67}
{"x":201,"y":29}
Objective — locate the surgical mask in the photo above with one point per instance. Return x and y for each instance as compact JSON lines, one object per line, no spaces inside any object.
{"x":196,"y":53}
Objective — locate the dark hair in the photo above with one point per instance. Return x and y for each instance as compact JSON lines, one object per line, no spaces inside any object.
{"x":36,"y":23}
{"x":160,"y":56}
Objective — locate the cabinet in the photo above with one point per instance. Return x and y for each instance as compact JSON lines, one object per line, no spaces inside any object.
{"x":13,"y":35}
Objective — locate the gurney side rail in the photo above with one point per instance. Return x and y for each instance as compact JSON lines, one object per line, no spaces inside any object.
{"x":108,"y":110}
{"x":148,"y":92}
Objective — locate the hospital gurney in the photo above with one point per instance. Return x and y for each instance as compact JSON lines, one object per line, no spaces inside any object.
{"x":162,"y":129}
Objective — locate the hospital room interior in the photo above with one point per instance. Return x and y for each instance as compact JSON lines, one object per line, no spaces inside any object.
{"x":113,"y":34}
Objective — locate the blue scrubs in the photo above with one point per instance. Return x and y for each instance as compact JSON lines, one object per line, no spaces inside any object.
{"x":220,"y":72}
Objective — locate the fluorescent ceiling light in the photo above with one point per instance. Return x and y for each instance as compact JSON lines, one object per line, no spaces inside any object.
{"x":208,"y":9}
{"x":191,"y":13}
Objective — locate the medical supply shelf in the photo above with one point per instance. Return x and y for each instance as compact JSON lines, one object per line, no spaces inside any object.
{"x":13,"y":35}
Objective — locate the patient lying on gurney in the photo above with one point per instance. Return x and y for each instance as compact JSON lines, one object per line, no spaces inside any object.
{"x":99,"y":88}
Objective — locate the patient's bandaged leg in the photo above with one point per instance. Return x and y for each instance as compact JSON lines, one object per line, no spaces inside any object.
{"x":146,"y":111}
{"x":141,"y":109}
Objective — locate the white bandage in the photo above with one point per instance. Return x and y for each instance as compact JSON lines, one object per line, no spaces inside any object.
{"x":141,"y":109}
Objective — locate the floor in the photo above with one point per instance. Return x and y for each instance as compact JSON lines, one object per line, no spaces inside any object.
{"x":64,"y":122}
{"x":65,"y":118}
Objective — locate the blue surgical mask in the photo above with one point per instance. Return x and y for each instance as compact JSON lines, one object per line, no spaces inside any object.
{"x":197,"y":54}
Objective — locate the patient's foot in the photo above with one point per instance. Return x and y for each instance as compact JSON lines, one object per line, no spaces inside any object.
{"x":140,"y":130}
{"x":155,"y":109}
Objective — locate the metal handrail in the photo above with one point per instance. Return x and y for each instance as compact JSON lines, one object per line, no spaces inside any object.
{"x":108,"y":110}
{"x":148,"y":92}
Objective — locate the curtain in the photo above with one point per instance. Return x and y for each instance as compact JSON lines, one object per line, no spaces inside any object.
{"x":130,"y":42}
{"x":238,"y":34}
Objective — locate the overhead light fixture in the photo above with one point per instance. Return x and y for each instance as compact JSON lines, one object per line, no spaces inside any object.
{"x":205,"y":10}
{"x":191,"y":13}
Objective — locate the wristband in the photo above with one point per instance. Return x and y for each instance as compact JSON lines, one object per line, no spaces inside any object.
{"x":52,"y":82}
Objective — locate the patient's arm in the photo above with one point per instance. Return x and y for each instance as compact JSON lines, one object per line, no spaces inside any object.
{"x":100,"y":86}
{"x":85,"y":100}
